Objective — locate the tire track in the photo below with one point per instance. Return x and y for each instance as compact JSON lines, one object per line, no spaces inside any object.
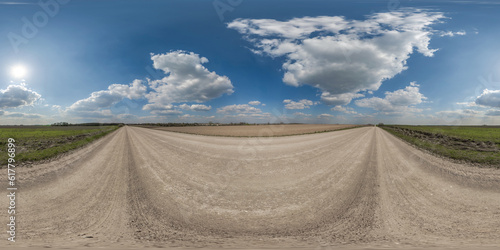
{"x":83,"y":208}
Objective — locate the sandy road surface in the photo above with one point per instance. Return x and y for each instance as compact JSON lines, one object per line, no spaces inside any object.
{"x":256,"y":130}
{"x":358,"y":187}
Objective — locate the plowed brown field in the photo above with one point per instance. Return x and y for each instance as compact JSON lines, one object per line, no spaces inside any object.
{"x":257,"y":130}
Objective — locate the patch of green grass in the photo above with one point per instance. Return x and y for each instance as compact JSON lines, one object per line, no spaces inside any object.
{"x":476,"y":133}
{"x":484,"y":134}
{"x":34,"y":143}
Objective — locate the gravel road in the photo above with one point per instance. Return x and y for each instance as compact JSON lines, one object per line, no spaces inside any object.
{"x":362,"y":187}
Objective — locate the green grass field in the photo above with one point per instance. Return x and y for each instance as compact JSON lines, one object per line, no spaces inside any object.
{"x":477,"y":133}
{"x":477,"y":144}
{"x":35,"y":143}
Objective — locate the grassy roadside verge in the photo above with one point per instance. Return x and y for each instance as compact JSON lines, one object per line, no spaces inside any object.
{"x":35,"y":143}
{"x":470,"y":144}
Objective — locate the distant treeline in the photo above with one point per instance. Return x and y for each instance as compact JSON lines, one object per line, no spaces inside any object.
{"x":86,"y":124}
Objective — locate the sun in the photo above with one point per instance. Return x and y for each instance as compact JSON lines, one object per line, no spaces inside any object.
{"x":18,"y":71}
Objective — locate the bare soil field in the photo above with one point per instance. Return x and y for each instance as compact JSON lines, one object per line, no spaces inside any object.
{"x":353,"y":188}
{"x":257,"y":130}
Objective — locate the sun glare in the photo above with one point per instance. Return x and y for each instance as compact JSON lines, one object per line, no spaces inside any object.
{"x":18,"y":71}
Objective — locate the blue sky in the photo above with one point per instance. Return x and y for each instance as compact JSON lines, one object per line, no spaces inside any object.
{"x":412,"y":62}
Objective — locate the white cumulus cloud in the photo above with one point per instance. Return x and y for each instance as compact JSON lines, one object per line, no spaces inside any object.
{"x":402,"y":100}
{"x":325,"y":116}
{"x":162,"y":110}
{"x":106,"y":98}
{"x":343,"y":58}
{"x":452,"y":34}
{"x":242,"y":111}
{"x":490,"y":98}
{"x":302,"y":104}
{"x":238,"y":108}
{"x":346,"y":110}
{"x":301,"y":114}
{"x":22,"y":115}
{"x":339,"y":99}
{"x":195,"y":107}
{"x":95,"y":106}
{"x":17,"y":96}
{"x":186,"y":116}
{"x":187,"y":80}
{"x":135,"y":90}
{"x":254,"y":103}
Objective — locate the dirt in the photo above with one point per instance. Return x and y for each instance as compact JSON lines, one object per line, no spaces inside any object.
{"x":449,"y":141}
{"x":354,"y":188}
{"x":256,"y":130}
